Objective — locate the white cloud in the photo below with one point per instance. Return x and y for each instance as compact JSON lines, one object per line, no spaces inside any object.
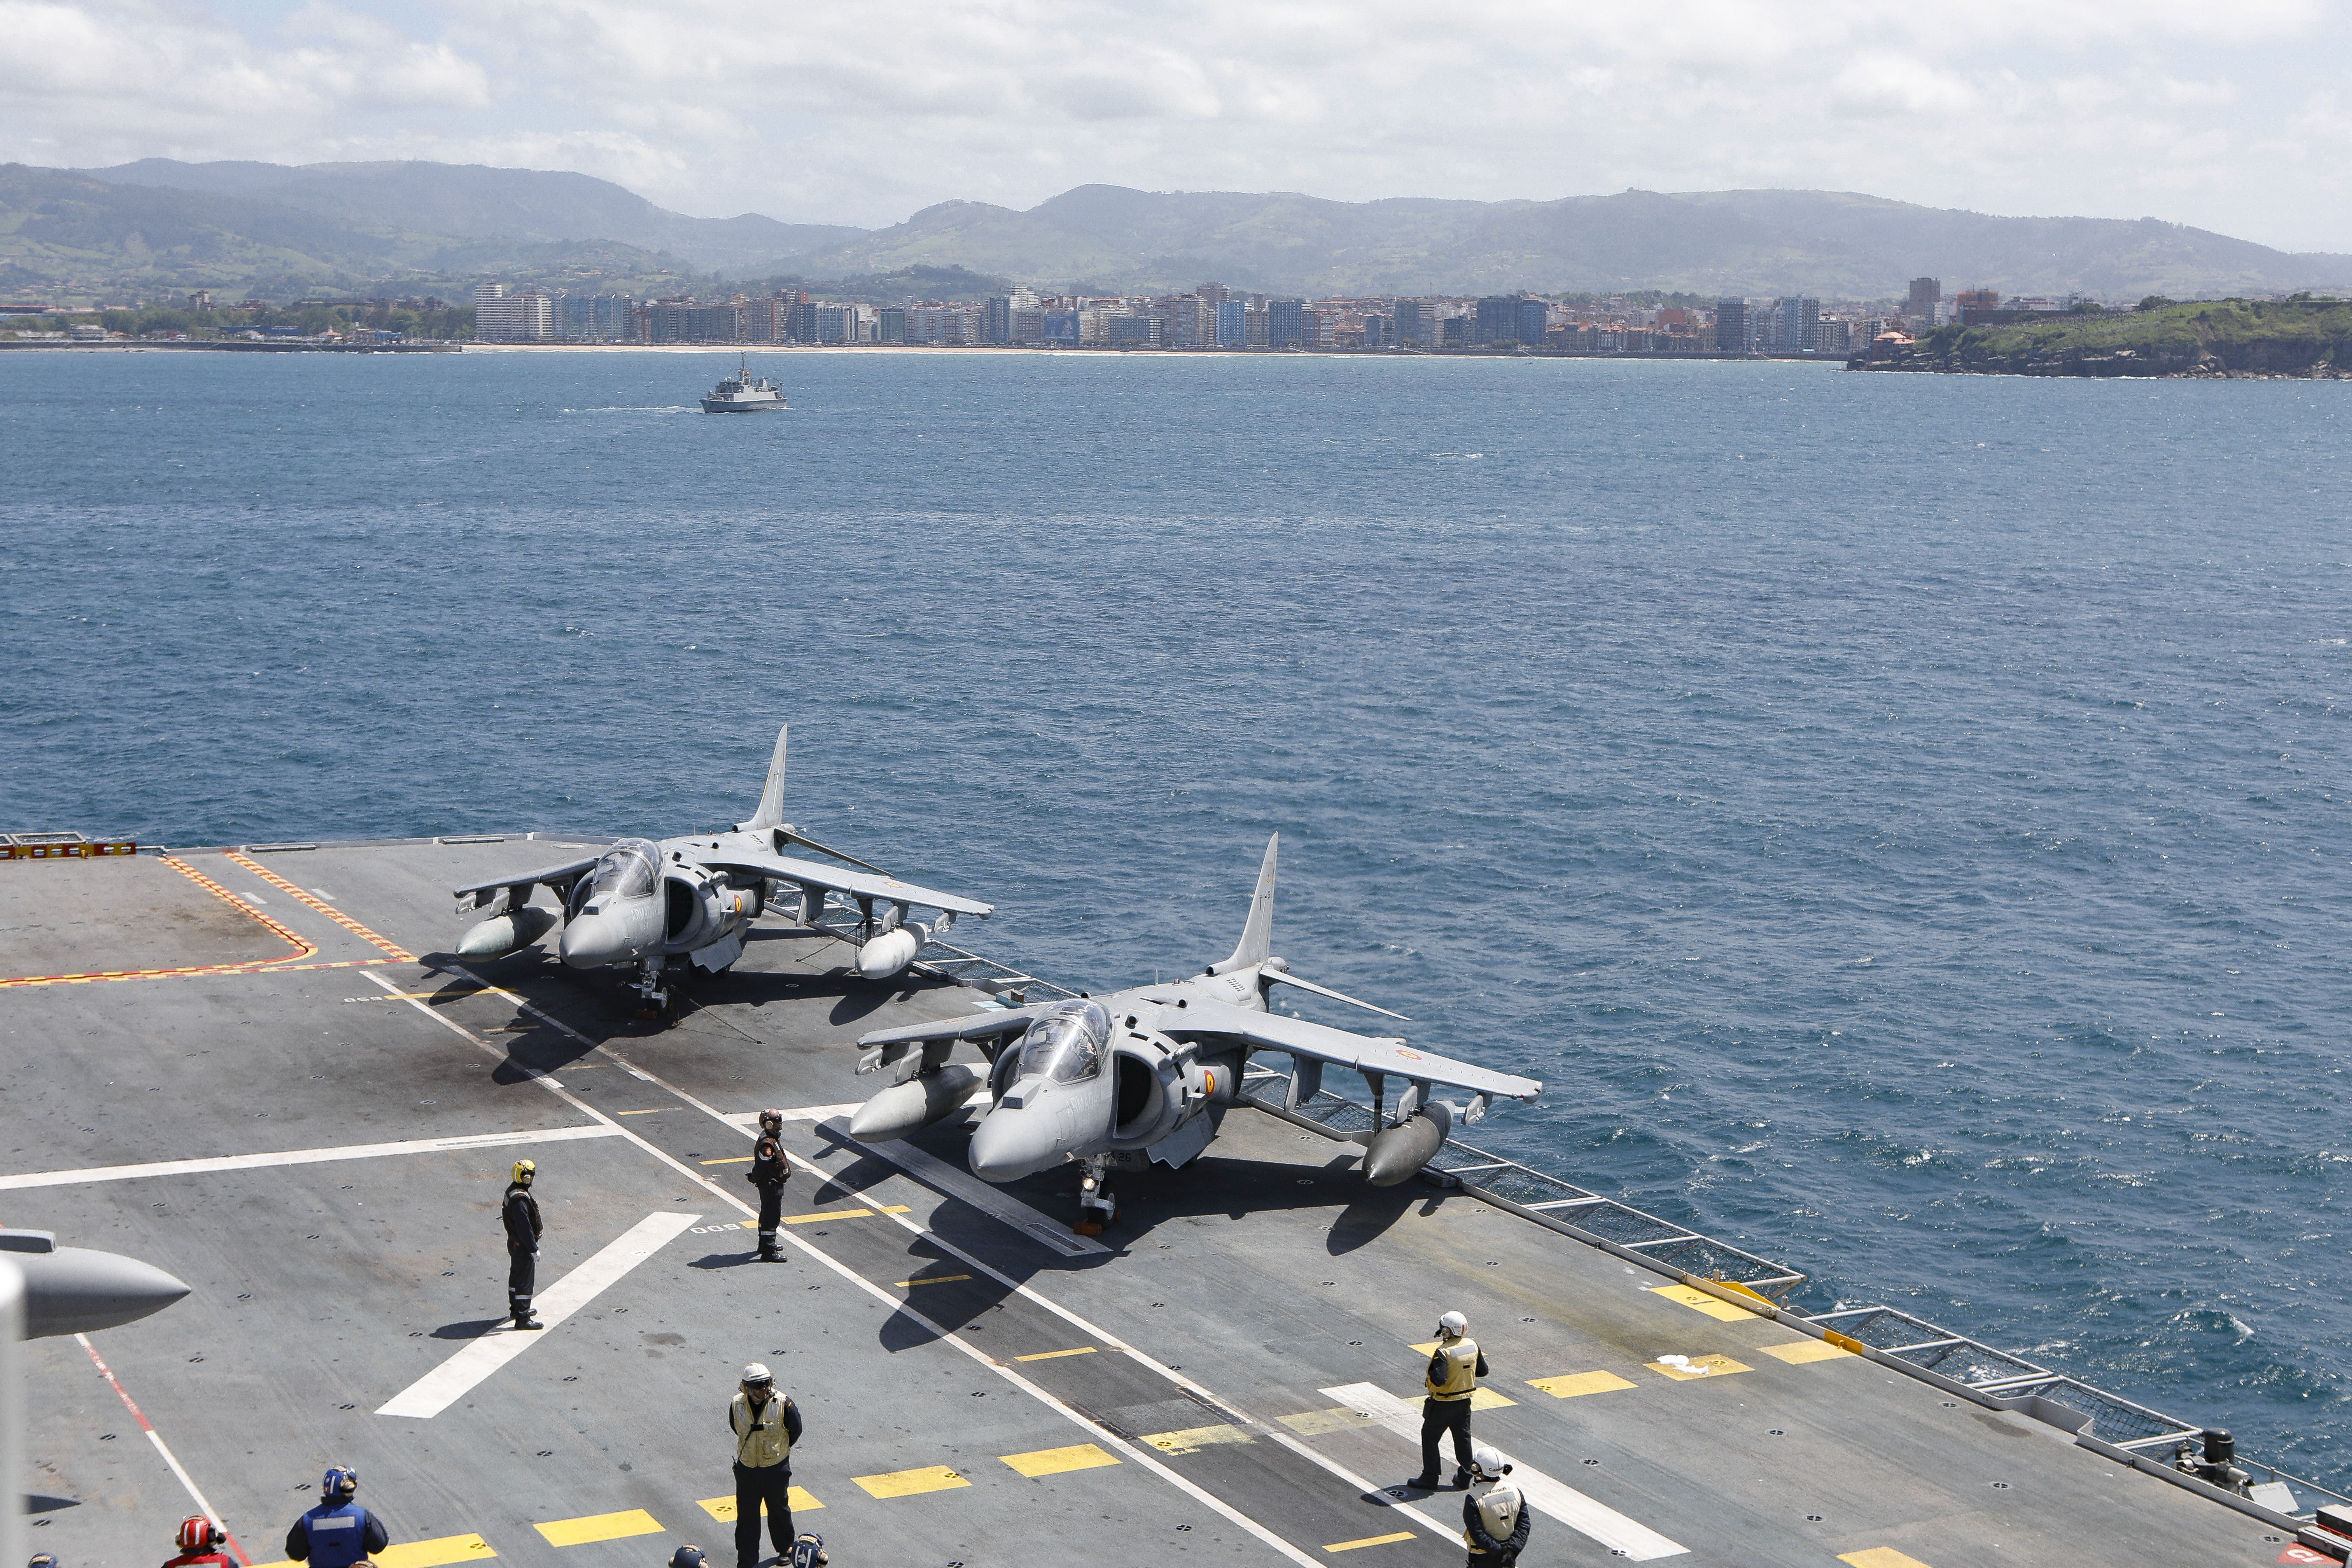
{"x":865,"y":110}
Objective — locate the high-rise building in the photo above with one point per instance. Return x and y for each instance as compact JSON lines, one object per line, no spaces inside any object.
{"x":1028,"y":324}
{"x":1731,"y":332}
{"x":1535,"y":315}
{"x":1925,"y":292}
{"x":997,"y":327}
{"x":892,"y":327}
{"x":1380,"y":331}
{"x":1497,"y":321}
{"x":1415,"y":322}
{"x":1285,"y":323}
{"x":803,"y":317}
{"x":1796,"y":324}
{"x":1213,"y":293}
{"x":503,"y":318}
{"x":1136,"y":332}
{"x":1233,"y":319}
{"x":1061,"y":328}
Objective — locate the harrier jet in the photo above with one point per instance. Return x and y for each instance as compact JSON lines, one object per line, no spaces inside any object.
{"x":1146,"y":1074}
{"x":660,"y":903}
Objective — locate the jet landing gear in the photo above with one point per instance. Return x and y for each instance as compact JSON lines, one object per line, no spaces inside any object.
{"x":1096,"y":1207}
{"x":653,"y":996}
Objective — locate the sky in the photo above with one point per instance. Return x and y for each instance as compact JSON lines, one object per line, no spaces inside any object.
{"x":2236,"y":117}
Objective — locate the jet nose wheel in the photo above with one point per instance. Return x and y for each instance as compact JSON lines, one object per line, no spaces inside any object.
{"x":653,"y":996}
{"x":1096,"y":1207}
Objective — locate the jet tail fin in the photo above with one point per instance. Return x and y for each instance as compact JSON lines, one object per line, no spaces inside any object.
{"x":771,"y":813}
{"x":1257,"y":931}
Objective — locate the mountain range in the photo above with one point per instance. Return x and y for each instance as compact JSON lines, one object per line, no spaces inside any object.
{"x":415,"y":225}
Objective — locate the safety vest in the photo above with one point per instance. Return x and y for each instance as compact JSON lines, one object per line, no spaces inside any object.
{"x":337,"y":1534}
{"x":1498,"y":1514}
{"x":761,"y":1439}
{"x":1460,"y":1380}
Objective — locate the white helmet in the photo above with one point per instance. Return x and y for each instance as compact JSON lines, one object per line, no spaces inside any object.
{"x":1455,"y":1324}
{"x":755,"y":1374}
{"x":1487,"y":1465}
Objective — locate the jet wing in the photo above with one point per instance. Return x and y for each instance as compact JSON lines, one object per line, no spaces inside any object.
{"x":1339,"y":1047}
{"x":556,"y":877}
{"x":857,"y":884}
{"x":972,"y":1026}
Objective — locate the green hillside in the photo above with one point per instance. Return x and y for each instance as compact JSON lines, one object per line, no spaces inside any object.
{"x":2245,"y":336}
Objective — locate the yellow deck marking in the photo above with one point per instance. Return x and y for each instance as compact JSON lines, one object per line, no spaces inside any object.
{"x":1315,"y":1423}
{"x":737,"y":1159}
{"x":437,"y":1553}
{"x":656,"y":1110}
{"x":1055,"y":1461}
{"x":1057,"y":1356}
{"x":398,"y":953}
{"x":1487,"y":1399}
{"x":934,"y":1279}
{"x":1881,"y":1557}
{"x":842,"y":1214}
{"x":910,"y":1483}
{"x":1192,"y":1440}
{"x":599,"y":1527}
{"x":1369,"y":1540}
{"x":1429,"y":1348}
{"x":1701,"y":1366}
{"x":434,"y":1553}
{"x":1797,"y":1352}
{"x":722,"y":1509}
{"x":1570,"y":1385}
{"x":1698,"y":1301}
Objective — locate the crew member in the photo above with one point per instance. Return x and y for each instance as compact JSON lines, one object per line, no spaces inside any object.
{"x":522,"y":1216}
{"x":200,"y":1546}
{"x":1454,"y":1368}
{"x":766,"y":1425}
{"x":338,"y":1532}
{"x":769,"y":1169}
{"x":1494,"y":1521}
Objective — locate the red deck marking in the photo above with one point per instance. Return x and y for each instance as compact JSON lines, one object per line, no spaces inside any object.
{"x":156,"y":1437}
{"x":332,"y":913}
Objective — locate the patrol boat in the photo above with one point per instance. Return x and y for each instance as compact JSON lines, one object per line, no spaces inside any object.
{"x":744,"y":393}
{"x":1231,"y":1373}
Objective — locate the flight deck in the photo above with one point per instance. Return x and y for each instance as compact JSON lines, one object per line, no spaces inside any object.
{"x":264,"y":1070}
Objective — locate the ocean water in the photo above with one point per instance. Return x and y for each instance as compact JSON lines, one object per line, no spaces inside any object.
{"x":1902,"y":819}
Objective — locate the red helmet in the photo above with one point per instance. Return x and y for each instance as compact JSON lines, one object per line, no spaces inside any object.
{"x":198,"y":1533}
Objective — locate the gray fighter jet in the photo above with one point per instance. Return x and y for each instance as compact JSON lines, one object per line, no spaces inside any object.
{"x":658,"y":903}
{"x":78,"y":1290}
{"x":1117,"y":1082}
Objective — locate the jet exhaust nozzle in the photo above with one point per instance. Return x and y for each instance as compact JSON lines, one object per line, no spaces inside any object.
{"x":916,"y":1104}
{"x":1398,"y":1152}
{"x":510,"y":932}
{"x":888,"y":953}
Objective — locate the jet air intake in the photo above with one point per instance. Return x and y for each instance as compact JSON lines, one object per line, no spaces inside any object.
{"x":1398,"y":1152}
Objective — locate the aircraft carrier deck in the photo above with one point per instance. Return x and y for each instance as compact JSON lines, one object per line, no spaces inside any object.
{"x":261,"y":1070}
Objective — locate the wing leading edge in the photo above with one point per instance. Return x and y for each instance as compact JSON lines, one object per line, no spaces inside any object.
{"x":857,"y":884}
{"x":1341,"y":1047}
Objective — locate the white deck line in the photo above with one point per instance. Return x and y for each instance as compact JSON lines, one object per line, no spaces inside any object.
{"x":1563,"y":1502}
{"x":300,"y":1157}
{"x":452,"y":1379}
{"x":967,"y":1188}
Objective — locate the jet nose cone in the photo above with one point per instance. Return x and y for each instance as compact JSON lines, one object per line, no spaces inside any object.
{"x":74,"y":1290}
{"x":1012,"y":1142}
{"x":590,"y":942}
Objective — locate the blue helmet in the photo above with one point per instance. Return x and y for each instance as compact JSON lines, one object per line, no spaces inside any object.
{"x":339,"y":1483}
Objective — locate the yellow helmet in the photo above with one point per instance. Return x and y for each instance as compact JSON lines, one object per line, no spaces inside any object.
{"x":524,"y":1169}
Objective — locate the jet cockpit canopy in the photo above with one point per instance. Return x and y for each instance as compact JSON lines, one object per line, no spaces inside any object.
{"x":1066,"y":1045}
{"x":628,"y":870}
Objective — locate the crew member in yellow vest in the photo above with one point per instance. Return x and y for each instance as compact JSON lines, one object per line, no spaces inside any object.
{"x":766,"y":1425}
{"x":1454,"y":1368}
{"x":1494,"y":1521}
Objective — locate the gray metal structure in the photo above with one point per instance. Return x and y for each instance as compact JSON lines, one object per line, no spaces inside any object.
{"x":689,"y":901}
{"x":1145,"y":1076}
{"x":1220,"y":1380}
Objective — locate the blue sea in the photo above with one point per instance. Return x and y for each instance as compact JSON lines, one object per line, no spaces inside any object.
{"x":1902,"y":819}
